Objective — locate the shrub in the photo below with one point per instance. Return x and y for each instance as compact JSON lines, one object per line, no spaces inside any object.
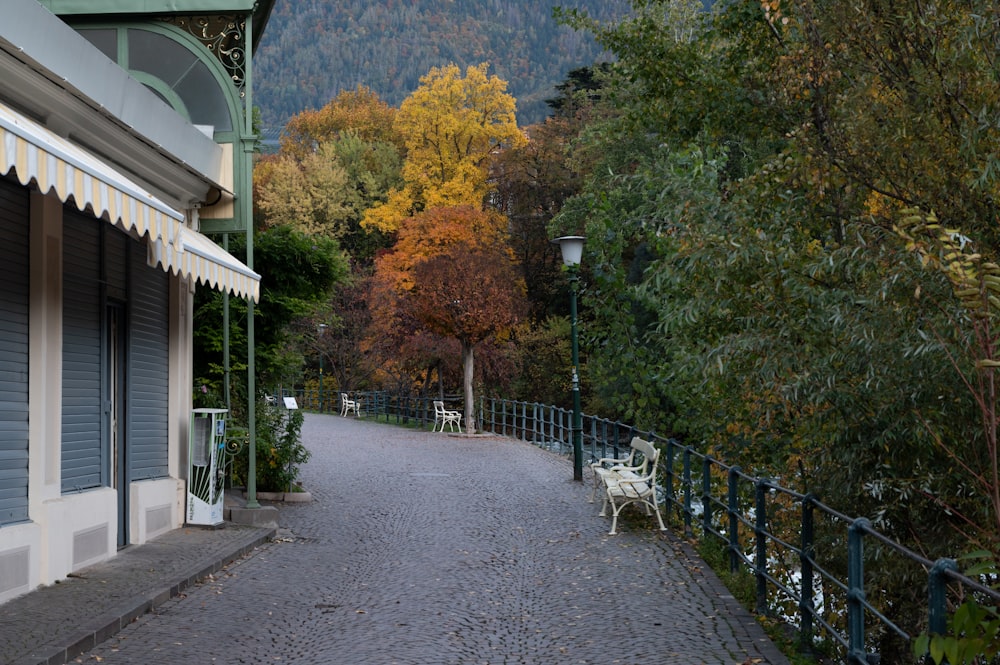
{"x":279,"y":449}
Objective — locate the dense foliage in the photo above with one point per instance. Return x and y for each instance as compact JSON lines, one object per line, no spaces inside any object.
{"x":792,"y":214}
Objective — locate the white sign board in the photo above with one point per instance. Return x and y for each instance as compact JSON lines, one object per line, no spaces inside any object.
{"x":290,"y":403}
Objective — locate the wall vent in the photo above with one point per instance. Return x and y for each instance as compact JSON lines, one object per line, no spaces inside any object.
{"x":14,"y":570}
{"x":90,"y":545}
{"x":157,"y":521}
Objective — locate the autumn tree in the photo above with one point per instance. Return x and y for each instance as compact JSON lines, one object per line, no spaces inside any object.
{"x":450,"y":126}
{"x":432,"y":232}
{"x":312,"y":195}
{"x":400,"y":275}
{"x":326,"y":191}
{"x":471,"y":293}
{"x":358,"y":111}
{"x":532,"y":182}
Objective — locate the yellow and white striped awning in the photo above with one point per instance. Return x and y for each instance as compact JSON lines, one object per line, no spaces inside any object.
{"x":196,"y":256}
{"x":56,"y":165}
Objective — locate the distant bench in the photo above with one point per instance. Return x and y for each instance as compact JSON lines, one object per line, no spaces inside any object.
{"x":443,"y":416}
{"x":628,"y":480}
{"x":347,"y":405}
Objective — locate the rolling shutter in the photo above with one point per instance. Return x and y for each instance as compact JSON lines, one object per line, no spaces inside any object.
{"x":13,"y":353}
{"x":148,"y":366}
{"x":82,"y":410}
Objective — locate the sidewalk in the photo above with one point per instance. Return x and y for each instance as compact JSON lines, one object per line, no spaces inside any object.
{"x":418,"y":548}
{"x":54,"y":624}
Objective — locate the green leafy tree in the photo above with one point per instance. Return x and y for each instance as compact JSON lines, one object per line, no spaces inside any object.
{"x":297,"y":274}
{"x":744,"y":212}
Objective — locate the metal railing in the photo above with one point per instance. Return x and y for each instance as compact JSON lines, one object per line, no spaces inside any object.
{"x":378,"y":404}
{"x":807,"y":560}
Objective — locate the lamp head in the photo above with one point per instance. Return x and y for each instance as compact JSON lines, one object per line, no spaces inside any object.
{"x":572,"y":250}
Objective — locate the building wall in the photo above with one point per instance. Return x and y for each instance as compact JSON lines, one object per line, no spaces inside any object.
{"x":70,"y":530}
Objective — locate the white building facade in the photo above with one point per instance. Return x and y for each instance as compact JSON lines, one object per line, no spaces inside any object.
{"x":106,"y":180}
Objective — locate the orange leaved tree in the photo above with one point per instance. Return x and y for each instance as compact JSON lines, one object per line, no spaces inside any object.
{"x":451,"y":273}
{"x":358,"y":111}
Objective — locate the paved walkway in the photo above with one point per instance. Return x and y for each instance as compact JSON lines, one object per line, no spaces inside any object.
{"x":418,"y":549}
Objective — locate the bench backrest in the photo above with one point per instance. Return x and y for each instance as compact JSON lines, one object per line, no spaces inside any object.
{"x":438,"y":407}
{"x":650,"y":455}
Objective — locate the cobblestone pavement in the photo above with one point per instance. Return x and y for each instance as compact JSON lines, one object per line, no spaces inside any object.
{"x":427,"y":549}
{"x":50,"y":625}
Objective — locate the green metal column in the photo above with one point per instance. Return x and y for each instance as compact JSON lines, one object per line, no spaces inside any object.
{"x":574,"y":281}
{"x":246,"y":210}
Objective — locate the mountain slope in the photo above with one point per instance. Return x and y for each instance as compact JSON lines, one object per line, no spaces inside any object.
{"x":313,"y":49}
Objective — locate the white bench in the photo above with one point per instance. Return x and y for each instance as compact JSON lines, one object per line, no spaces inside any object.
{"x":634,"y":484}
{"x":347,"y":405}
{"x":632,"y":466}
{"x":443,"y":416}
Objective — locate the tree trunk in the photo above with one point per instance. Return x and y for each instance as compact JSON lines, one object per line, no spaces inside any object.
{"x":468,"y":366}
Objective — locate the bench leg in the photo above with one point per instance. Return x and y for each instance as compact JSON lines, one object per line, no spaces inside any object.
{"x":656,"y":509}
{"x":617,"y":508}
{"x":614,"y":518}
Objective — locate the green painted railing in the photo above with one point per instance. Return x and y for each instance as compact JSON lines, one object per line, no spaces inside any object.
{"x":807,"y":558}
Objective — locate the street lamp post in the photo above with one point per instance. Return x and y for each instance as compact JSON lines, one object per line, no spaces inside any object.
{"x":572,"y":253}
{"x":322,"y":327}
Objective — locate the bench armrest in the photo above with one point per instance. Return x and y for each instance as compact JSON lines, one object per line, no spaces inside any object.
{"x":617,"y":461}
{"x":635,"y":480}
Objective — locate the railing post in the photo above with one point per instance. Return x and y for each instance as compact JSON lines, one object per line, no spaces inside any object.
{"x":806,"y":606}
{"x":593,"y":436}
{"x":706,"y":497}
{"x":760,"y":545}
{"x":534,"y":423}
{"x":937,"y":596}
{"x":669,"y":469}
{"x":856,"y":592}
{"x":687,"y":492}
{"x":734,"y":520}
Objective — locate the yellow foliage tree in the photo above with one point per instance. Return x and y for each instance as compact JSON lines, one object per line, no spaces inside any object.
{"x":451,"y":125}
{"x":307,"y":195}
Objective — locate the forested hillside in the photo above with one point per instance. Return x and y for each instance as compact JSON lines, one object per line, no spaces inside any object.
{"x":313,"y":49}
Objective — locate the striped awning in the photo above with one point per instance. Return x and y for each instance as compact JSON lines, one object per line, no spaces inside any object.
{"x":198,"y":257}
{"x":56,"y":165}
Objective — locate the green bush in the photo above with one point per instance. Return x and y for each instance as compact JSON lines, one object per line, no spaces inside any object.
{"x":279,"y":449}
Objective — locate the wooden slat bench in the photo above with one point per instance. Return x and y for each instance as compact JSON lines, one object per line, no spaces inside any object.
{"x":624,"y":485}
{"x":632,"y":466}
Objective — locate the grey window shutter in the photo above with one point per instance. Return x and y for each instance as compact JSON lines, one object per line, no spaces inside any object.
{"x":82,"y":358}
{"x":148,"y":368}
{"x":13,"y":353}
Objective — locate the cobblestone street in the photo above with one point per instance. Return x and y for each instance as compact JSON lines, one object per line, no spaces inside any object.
{"x":422,"y":548}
